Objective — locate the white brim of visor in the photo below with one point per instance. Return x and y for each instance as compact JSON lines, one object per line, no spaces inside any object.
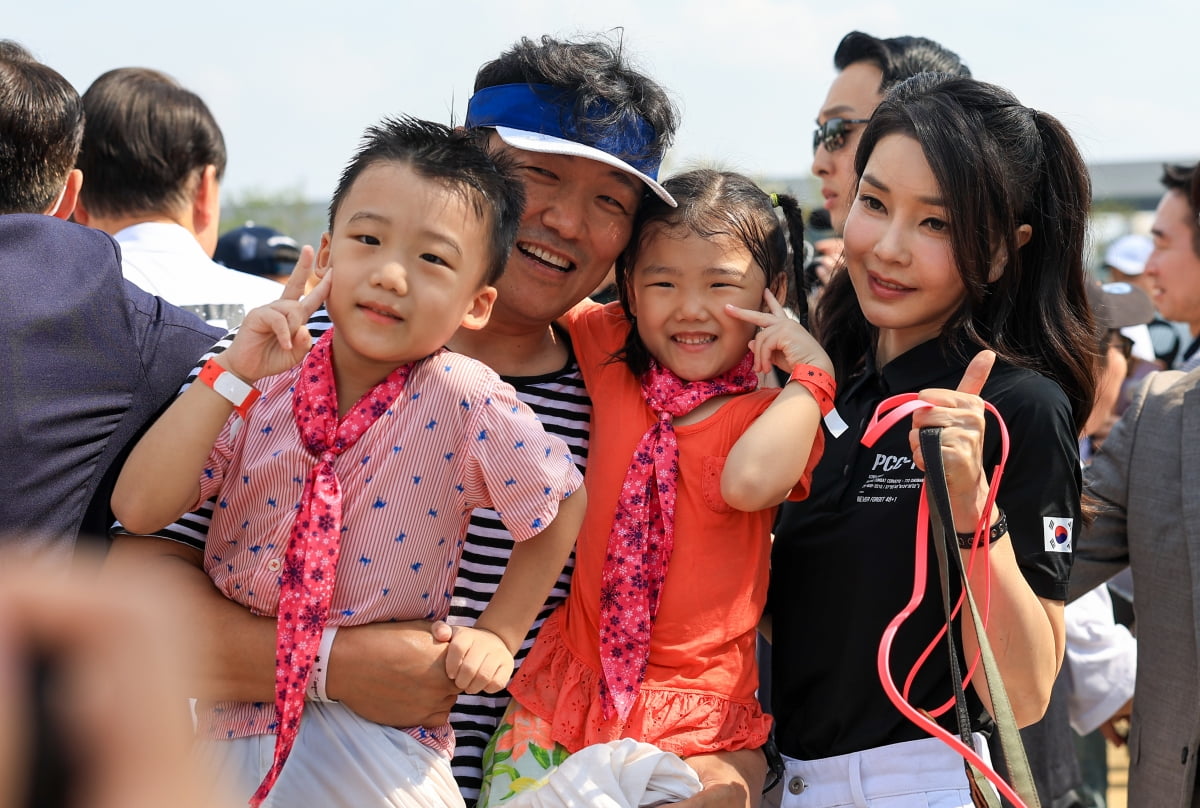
{"x":548,"y":144}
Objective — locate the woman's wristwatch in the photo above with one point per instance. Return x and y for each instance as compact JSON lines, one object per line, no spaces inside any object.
{"x":967,"y":540}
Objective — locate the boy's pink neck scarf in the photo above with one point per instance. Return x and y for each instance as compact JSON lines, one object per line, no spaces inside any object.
{"x":643,"y":531}
{"x":310,"y":563}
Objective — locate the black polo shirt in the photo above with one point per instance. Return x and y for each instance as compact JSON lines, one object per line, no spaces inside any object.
{"x":842,"y":564}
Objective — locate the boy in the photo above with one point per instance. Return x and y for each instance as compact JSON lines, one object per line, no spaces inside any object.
{"x":421,"y":225}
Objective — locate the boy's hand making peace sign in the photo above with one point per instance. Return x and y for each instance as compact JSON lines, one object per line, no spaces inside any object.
{"x":275,"y":337}
{"x":780,"y":341}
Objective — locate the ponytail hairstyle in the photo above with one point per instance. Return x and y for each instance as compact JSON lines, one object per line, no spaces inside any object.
{"x":716,"y":204}
{"x":998,"y":165}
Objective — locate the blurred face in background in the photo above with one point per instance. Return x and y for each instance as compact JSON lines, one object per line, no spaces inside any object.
{"x":1114,"y":368}
{"x":1173,"y":269}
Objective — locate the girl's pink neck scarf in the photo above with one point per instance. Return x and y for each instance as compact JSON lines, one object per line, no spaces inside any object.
{"x":643,"y":531}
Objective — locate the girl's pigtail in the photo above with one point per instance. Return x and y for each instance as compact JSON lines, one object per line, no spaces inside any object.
{"x":797,"y":293}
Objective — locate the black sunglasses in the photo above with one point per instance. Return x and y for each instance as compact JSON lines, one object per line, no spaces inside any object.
{"x":833,"y":133}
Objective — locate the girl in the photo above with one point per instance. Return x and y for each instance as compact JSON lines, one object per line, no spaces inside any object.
{"x":966,"y":237}
{"x":656,"y":640}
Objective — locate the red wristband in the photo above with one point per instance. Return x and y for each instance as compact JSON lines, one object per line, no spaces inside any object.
{"x":229,"y":387}
{"x":817,"y":382}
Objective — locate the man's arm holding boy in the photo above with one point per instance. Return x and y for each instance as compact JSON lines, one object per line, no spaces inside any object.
{"x":389,"y":673}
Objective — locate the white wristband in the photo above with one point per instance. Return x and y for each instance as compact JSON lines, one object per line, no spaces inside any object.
{"x":316,"y":681}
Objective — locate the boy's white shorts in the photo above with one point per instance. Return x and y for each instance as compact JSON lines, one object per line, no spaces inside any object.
{"x":339,"y":759}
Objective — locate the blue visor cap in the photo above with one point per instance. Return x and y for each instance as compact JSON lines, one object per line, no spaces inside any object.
{"x":539,"y":118}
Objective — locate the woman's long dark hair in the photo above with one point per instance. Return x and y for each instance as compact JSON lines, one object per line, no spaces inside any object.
{"x":719,"y":204}
{"x":998,"y":165}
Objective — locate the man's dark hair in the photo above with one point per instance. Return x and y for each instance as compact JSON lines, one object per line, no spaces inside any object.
{"x":601,"y":78}
{"x":899,"y":58}
{"x":146,"y":141}
{"x":457,"y":158}
{"x":41,"y":126}
{"x":1186,"y":180}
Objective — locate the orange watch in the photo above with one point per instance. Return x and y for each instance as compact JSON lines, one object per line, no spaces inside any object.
{"x":229,"y":387}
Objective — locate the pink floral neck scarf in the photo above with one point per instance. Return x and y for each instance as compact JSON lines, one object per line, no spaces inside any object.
{"x":643,"y":531}
{"x":310,"y":563}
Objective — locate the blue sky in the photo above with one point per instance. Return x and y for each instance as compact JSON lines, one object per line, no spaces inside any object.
{"x":294,"y":84}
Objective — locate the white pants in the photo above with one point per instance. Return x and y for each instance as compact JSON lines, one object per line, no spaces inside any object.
{"x":339,"y":759}
{"x":916,"y":774}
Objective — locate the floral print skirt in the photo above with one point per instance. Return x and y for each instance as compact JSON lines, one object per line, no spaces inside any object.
{"x":519,"y":757}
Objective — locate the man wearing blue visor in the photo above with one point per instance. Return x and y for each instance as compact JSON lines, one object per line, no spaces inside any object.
{"x":589,"y":133}
{"x":543,"y":118}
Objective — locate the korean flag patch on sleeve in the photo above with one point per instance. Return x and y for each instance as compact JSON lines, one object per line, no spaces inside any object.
{"x":1057,"y":532}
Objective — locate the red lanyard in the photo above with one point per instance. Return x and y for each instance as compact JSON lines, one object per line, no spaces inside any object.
{"x":887,"y":414}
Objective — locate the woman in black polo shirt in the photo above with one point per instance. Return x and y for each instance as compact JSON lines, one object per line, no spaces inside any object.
{"x":966,"y":235}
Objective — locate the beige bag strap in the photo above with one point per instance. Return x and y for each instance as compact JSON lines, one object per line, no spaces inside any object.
{"x":946,"y":545}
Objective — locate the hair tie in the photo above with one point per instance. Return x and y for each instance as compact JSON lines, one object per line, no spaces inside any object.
{"x":774,"y":200}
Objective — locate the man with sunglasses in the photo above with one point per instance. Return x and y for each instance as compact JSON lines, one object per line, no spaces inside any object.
{"x":867,"y":68}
